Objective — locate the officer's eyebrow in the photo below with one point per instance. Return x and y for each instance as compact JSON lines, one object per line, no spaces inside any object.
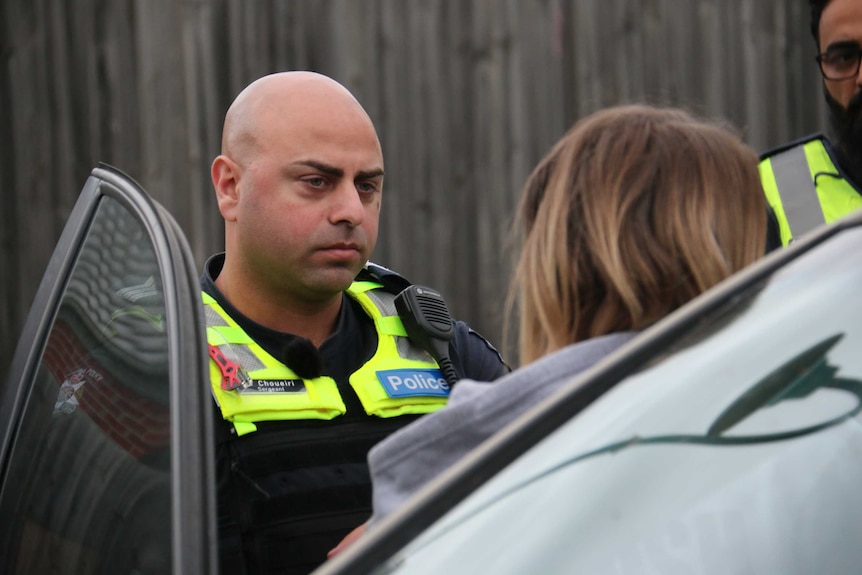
{"x":321,"y":167}
{"x":369,"y":174}
{"x":338,"y":172}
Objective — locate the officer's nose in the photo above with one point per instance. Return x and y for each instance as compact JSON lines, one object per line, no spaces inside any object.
{"x":347,"y":205}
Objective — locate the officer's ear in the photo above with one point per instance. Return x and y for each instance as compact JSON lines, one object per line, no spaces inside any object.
{"x":225,"y":175}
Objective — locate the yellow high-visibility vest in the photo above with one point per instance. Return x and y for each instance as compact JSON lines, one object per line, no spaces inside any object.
{"x":805,"y":188}
{"x":399,"y":379}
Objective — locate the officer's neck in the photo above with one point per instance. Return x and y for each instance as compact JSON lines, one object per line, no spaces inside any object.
{"x":313,"y":319}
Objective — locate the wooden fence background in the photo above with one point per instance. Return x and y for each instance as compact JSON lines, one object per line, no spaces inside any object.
{"x":467,"y":96}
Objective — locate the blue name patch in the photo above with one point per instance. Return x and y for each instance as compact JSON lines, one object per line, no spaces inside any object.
{"x":413,"y":382}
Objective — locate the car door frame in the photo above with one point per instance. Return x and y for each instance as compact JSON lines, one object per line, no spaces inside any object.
{"x":193,"y":523}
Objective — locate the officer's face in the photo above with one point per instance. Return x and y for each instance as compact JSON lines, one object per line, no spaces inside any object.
{"x":309,"y":206}
{"x":841,"y":24}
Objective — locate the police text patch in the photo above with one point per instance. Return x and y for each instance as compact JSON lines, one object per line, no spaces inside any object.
{"x":413,"y":382}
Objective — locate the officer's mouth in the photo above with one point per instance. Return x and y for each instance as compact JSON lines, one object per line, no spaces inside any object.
{"x":343,"y":251}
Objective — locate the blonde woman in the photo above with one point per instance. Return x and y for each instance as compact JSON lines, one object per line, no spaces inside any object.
{"x":634,"y":212}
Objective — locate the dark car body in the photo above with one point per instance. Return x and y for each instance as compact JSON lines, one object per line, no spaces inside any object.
{"x":105,"y":439}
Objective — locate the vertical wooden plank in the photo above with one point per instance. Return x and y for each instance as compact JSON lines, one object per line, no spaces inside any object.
{"x":756,"y":66}
{"x":537,"y":115}
{"x":205,"y":113}
{"x":30,"y":70}
{"x":115,"y":99}
{"x":586,"y":31}
{"x":659,"y":60}
{"x":490,"y":140}
{"x":394,"y":131}
{"x":438,"y":230}
{"x":162,"y":108}
{"x":463,"y":181}
{"x":716,"y":49}
{"x":414,"y":125}
{"x":627,"y":52}
{"x":13,"y":299}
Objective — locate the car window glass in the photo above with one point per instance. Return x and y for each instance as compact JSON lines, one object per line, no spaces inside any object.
{"x":737,"y":452}
{"x":91,"y":459}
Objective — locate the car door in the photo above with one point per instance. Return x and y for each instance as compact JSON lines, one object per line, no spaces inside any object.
{"x":105,"y":454}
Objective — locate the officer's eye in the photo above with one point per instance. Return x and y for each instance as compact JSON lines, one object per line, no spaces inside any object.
{"x":367,"y":187}
{"x":315,"y":182}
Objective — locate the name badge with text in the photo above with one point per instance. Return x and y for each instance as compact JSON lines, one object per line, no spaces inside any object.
{"x":276,"y":386}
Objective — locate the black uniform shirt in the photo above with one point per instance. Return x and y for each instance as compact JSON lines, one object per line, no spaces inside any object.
{"x":291,"y":490}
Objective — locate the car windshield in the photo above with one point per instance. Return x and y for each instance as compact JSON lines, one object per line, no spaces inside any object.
{"x":736,"y":451}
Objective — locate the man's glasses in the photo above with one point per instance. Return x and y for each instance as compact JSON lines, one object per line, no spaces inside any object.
{"x":840,"y":62}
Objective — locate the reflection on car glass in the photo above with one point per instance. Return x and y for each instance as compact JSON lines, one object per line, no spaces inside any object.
{"x":141,"y":300}
{"x":708,"y":324}
{"x":70,"y":390}
{"x":796,"y":379}
{"x":144,"y":302}
{"x":108,"y":349}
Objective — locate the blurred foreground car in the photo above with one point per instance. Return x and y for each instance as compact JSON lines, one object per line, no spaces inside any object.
{"x":726,"y":439}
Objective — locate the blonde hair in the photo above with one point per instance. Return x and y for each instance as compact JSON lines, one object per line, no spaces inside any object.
{"x":634,"y":212}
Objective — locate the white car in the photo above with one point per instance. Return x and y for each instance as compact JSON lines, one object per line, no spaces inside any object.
{"x":725,"y":439}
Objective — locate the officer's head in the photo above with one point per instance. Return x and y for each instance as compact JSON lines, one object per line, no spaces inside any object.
{"x":837,"y":29}
{"x":299,"y":184}
{"x":635,"y":211}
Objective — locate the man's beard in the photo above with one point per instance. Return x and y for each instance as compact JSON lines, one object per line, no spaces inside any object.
{"x":847,"y":133}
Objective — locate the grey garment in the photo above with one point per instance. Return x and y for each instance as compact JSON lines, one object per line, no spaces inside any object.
{"x":414,"y":455}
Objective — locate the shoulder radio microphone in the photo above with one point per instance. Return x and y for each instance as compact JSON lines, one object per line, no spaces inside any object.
{"x":429,"y":325}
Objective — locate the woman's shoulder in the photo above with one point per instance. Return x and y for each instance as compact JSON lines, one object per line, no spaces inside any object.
{"x":541,"y":377}
{"x":571,"y":359}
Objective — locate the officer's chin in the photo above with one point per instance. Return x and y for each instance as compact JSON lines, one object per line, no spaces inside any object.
{"x":341,"y":275}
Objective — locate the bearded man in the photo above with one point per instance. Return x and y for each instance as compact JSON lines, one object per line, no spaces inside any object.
{"x":814,"y":181}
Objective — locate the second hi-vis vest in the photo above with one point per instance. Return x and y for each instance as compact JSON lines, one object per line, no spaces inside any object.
{"x":805,"y":188}
{"x":399,"y":379}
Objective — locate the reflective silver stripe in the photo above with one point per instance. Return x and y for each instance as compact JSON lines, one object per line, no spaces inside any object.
{"x":797,"y":191}
{"x":385,"y":304}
